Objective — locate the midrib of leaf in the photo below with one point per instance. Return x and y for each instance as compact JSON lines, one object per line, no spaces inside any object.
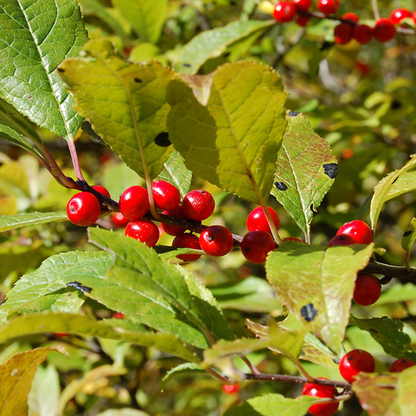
{"x":44,"y":66}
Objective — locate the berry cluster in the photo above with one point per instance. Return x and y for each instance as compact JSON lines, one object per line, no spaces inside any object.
{"x":350,"y":27}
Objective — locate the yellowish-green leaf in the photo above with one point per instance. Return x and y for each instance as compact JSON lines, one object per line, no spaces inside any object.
{"x":406,"y":391}
{"x":13,"y":222}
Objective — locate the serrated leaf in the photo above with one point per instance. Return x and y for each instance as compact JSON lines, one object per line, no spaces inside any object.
{"x":13,"y":222}
{"x":212,"y":43}
{"x":272,"y":405}
{"x":377,"y":393}
{"x":37,"y":36}
{"x":147,"y":17}
{"x":124,"y":102}
{"x":16,"y":376}
{"x":150,"y":291}
{"x":305,"y":171}
{"x":406,"y":391}
{"x":175,"y":172}
{"x":233,"y":141}
{"x":389,"y":334}
{"x":38,"y":323}
{"x":389,"y":187}
{"x":316,"y":284}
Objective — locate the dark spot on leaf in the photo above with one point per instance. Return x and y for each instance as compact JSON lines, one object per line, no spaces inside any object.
{"x":407,"y":233}
{"x":374,"y":331}
{"x":60,"y":70}
{"x":280,"y":186}
{"x":395,"y":105}
{"x":302,"y":354}
{"x":80,"y":287}
{"x":292,"y":113}
{"x":227,"y":54}
{"x":187,"y":65}
{"x":138,"y":80}
{"x":309,"y":312}
{"x":3,"y":301}
{"x":395,"y":180}
{"x":326,"y":45}
{"x":331,"y":169}
{"x":335,"y":360}
{"x":162,"y":139}
{"x":30,"y":97}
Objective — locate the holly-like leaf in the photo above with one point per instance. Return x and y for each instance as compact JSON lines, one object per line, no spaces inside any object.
{"x":16,"y":376}
{"x":316,"y":284}
{"x":212,"y":43}
{"x":389,"y":334}
{"x":125,"y":103}
{"x":13,"y":222}
{"x":306,"y":169}
{"x":150,"y":291}
{"x":146,"y":17}
{"x":390,"y":186}
{"x":233,"y":141}
{"x":37,"y":36}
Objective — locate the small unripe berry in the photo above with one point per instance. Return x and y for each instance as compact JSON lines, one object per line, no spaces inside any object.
{"x":165,"y":195}
{"x":384,"y":30}
{"x":367,"y":289}
{"x":319,"y":390}
{"x":401,"y":364}
{"x":83,"y":209}
{"x":256,"y":245}
{"x":354,"y":362}
{"x":284,"y":11}
{"x":187,"y":241}
{"x":216,"y":240}
{"x":198,"y":205}
{"x":134,"y":202}
{"x":143,"y":230}
{"x":358,"y":230}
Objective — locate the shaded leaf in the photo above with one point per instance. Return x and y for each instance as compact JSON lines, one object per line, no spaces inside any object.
{"x":316,"y":284}
{"x":233,"y":141}
{"x":389,"y":334}
{"x":125,"y":103}
{"x":37,"y":36}
{"x":13,"y":222}
{"x":306,"y":169}
{"x":212,"y":43}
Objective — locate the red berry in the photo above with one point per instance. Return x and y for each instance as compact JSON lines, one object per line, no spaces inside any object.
{"x":117,"y":315}
{"x":178,"y":214}
{"x":341,"y":240}
{"x":102,"y":190}
{"x":284,"y":11}
{"x":302,"y":20}
{"x":414,"y":17}
{"x":363,"y":34}
{"x":352,"y":17}
{"x":61,"y":334}
{"x":293,"y":239}
{"x":367,"y":289}
{"x":319,"y":390}
{"x":257,"y":221}
{"x":230,"y":388}
{"x":302,"y":5}
{"x":216,"y":240}
{"x":134,"y":202}
{"x":343,"y":33}
{"x":143,"y":230}
{"x":119,"y":220}
{"x":328,"y":7}
{"x":256,"y":245}
{"x":396,"y":16}
{"x":198,"y":205}
{"x":384,"y":30}
{"x":358,"y":230}
{"x":354,"y":362}
{"x":165,"y":195}
{"x":187,"y":241}
{"x":401,"y":364}
{"x":83,"y":209}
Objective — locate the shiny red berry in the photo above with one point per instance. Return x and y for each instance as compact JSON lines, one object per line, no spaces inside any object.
{"x":414,"y":17}
{"x":256,"y":245}
{"x":165,"y":195}
{"x":117,"y":315}
{"x":358,"y":230}
{"x":187,"y":241}
{"x":143,"y":230}
{"x":343,"y":33}
{"x":284,"y":11}
{"x":319,"y":390}
{"x":302,"y":5}
{"x":102,"y":190}
{"x":401,"y":364}
{"x":257,"y":220}
{"x":230,"y":388}
{"x":134,"y":202}
{"x":119,"y":220}
{"x":173,"y":229}
{"x":396,"y":16}
{"x":341,"y":240}
{"x":83,"y":209}
{"x":354,"y":362}
{"x":216,"y":240}
{"x":328,"y":7}
{"x":384,"y":30}
{"x":367,"y":289}
{"x":363,"y":34}
{"x":352,"y":17}
{"x":198,"y":205}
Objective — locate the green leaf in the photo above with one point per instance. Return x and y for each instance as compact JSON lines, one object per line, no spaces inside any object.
{"x":389,"y":334}
{"x":187,"y":369}
{"x":147,"y":17}
{"x":272,"y":405}
{"x":175,"y":172}
{"x":37,"y":36}
{"x":316,"y":284}
{"x":212,"y":43}
{"x":13,"y":222}
{"x":150,"y":291}
{"x":125,"y":103}
{"x":391,"y":186}
{"x":16,"y":376}
{"x":406,"y":391}
{"x":305,"y":171}
{"x":409,"y":235}
{"x":123,"y":412}
{"x":233,"y":141}
{"x":38,"y":323}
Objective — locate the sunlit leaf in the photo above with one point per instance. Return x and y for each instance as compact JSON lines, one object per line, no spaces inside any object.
{"x":13,"y":222}
{"x":406,"y":391}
